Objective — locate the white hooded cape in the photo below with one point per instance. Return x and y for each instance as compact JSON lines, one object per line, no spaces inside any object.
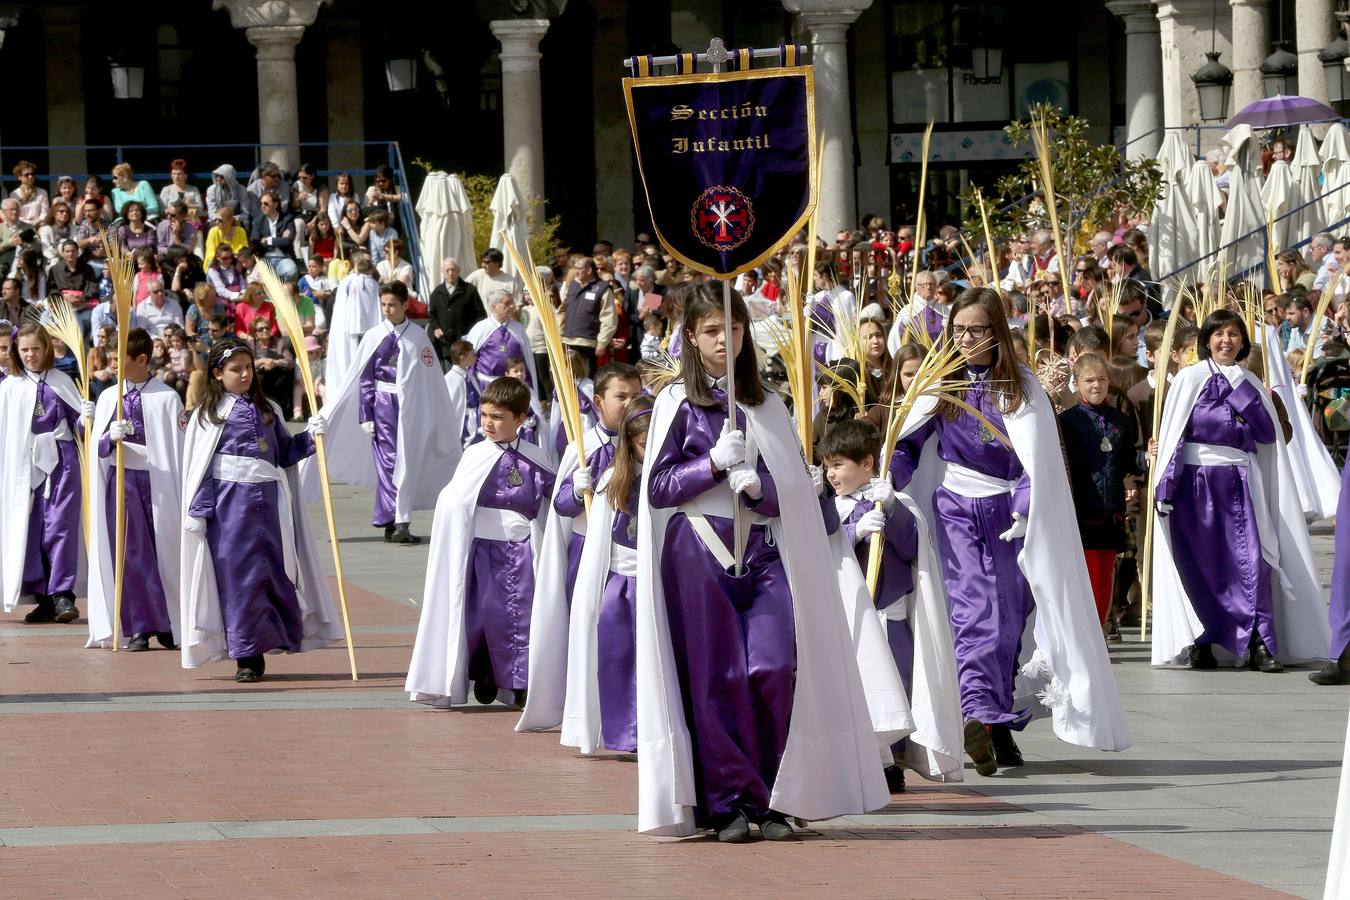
{"x":200,"y":619}
{"x":830,"y":766}
{"x":1301,"y":627}
{"x":428,"y":446}
{"x":1069,"y":672}
{"x":356,"y":310}
{"x":439,"y":671}
{"x":1314,"y":473}
{"x":17,"y":397}
{"x":936,"y":748}
{"x":162,"y":412}
{"x":552,"y":610}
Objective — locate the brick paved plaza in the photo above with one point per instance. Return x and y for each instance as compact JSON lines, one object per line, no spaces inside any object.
{"x":126,"y":775}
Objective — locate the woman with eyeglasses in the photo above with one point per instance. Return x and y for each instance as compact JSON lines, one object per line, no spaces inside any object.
{"x":33,"y":201}
{"x":998,"y":514}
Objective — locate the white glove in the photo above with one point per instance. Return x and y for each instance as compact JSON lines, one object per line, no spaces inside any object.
{"x":881,"y":491}
{"x":1164,"y":508}
{"x":581,"y":481}
{"x":119,"y":429}
{"x":196,"y":524}
{"x":728,"y":451}
{"x":1018,"y":529}
{"x":317,"y":425}
{"x":87,"y":410}
{"x":817,"y":478}
{"x":872,"y":522}
{"x":1303,"y":391}
{"x":368,"y":428}
{"x":745,"y":480}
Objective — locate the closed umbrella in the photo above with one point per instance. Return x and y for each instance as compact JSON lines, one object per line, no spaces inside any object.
{"x":1204,"y":198}
{"x":1307,"y":166}
{"x":1171,"y":232}
{"x":1277,"y":198}
{"x":1242,"y":237}
{"x":1174,"y":158}
{"x":1335,"y":157}
{"x":459,"y":224}
{"x":508,"y":214}
{"x":432,"y":218}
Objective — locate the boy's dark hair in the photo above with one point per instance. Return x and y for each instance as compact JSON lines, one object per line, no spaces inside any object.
{"x":1153,"y":334}
{"x":459,"y":350}
{"x":1122,"y":254}
{"x":854,"y":439}
{"x":139,"y":343}
{"x":1089,"y":339}
{"x":615,"y":371}
{"x":396,"y":288}
{"x":510,"y":394}
{"x":1089,"y":360}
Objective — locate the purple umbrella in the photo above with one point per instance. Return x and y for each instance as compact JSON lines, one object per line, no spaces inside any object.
{"x":1280,"y":112}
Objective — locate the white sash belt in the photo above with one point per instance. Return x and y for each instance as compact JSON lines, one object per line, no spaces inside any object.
{"x":720,"y":502}
{"x":46,"y":455}
{"x":252,"y":470}
{"x":493,"y":524}
{"x":579,"y":521}
{"x":1213,"y":455}
{"x":969,"y":483}
{"x":623,"y":560}
{"x":135,"y":457}
{"x":386,"y":387}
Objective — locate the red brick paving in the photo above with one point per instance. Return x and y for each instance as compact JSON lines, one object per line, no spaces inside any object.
{"x":90,"y":768}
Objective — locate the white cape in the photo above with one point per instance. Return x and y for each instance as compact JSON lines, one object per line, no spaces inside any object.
{"x":1314,"y":473}
{"x":201,"y":619}
{"x":1338,"y":873}
{"x":439,"y":671}
{"x":428,"y":446}
{"x":1301,"y":627}
{"x":162,"y":412}
{"x":17,"y":397}
{"x":356,"y":310}
{"x":1069,"y":671}
{"x":830,"y":766}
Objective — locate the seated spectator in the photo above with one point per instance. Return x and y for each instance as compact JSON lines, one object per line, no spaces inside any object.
{"x":304,"y":306}
{"x":12,"y":305}
{"x":135,"y":233}
{"x":309,"y":196}
{"x":147,"y":270}
{"x":14,"y":234}
{"x":205,"y":307}
{"x":225,"y":191}
{"x":491,"y":277}
{"x":273,"y":237}
{"x":68,"y":193}
{"x":179,"y":365}
{"x":275,"y":363}
{"x":66,"y":359}
{"x":32,"y":276}
{"x":158,"y":310}
{"x":248,"y":265}
{"x":254,"y":305}
{"x":58,"y":227}
{"x":227,"y":230}
{"x":105,"y":316}
{"x":179,"y":191}
{"x":225,"y":276}
{"x":88,"y":234}
{"x":187,"y":273}
{"x":339,"y":198}
{"x":267,"y":179}
{"x":322,"y":238}
{"x":93,"y":190}
{"x":1294,"y":271}
{"x":176,"y":229}
{"x":33,"y":201}
{"x":127,"y":189}
{"x":353,"y":230}
{"x":102,"y":361}
{"x":379,"y":234}
{"x":384,"y":196}
{"x":394,"y":267}
{"x":319,"y":288}
{"x":73,"y":277}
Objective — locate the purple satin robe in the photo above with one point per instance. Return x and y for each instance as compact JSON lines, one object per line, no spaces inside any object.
{"x":145,"y":608}
{"x":52,"y":556}
{"x":587,"y":416}
{"x":821,"y":321}
{"x":734,"y":639}
{"x":567,"y":504}
{"x":382,"y":408}
{"x":257,"y":599}
{"x":616,"y":642}
{"x":1215,"y":542}
{"x":989,"y":597}
{"x":499,"y":594}
{"x":1340,"y":574}
{"x":493,"y":353}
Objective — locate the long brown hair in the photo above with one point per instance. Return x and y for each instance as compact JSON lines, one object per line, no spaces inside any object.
{"x":214,"y":390}
{"x":31,"y":329}
{"x":703,"y":301}
{"x":637,"y":418}
{"x":1005,"y":374}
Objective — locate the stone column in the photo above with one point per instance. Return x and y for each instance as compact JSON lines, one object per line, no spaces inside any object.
{"x":1143,"y":76}
{"x":1314,"y":28}
{"x":1251,"y":45}
{"x":613,"y":142}
{"x":346,"y":120}
{"x":828,"y":22}
{"x":522,"y":104}
{"x":65,"y":91}
{"x":1186,"y":34}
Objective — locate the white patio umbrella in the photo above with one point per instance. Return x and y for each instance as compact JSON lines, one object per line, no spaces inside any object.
{"x":508,"y":214}
{"x":1307,"y":166}
{"x":1203,"y":195}
{"x":459,"y":225}
{"x":433,"y":222}
{"x":1172,"y":234}
{"x":1244,"y":213}
{"x":1174,"y":158}
{"x":1335,"y":157}
{"x":1277,"y":198}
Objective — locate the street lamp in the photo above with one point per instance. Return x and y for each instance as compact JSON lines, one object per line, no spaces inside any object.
{"x":128,"y":81}
{"x":401,"y":73}
{"x":1333,"y":58}
{"x":1279,"y":72}
{"x":1213,"y":82}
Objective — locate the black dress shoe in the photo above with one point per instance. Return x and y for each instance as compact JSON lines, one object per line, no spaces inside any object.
{"x":389,"y":534}
{"x":485,"y":691}
{"x":895,"y":779}
{"x":45,"y":611}
{"x":734,"y":829}
{"x":139,"y":643}
{"x":774,"y":827}
{"x":1263,"y":660}
{"x":518,"y":701}
{"x":66,"y":611}
{"x":1006,"y":750}
{"x":979,"y":748}
{"x":250,"y":669}
{"x":247,"y":676}
{"x":165,"y":639}
{"x":403,"y":536}
{"x":1202,"y":657}
{"x":1332,"y":673}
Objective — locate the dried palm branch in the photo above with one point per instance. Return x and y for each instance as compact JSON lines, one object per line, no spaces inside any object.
{"x":920,"y":224}
{"x":1162,"y":362}
{"x":1040,"y":136}
{"x":1323,"y":302}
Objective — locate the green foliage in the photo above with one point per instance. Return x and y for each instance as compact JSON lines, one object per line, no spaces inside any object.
{"x":480,"y":188}
{"x":1091,"y":182}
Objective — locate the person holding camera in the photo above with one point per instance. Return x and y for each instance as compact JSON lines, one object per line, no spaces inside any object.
{"x":14,"y":233}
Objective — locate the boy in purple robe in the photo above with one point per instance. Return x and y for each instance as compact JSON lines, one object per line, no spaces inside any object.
{"x":866,"y":506}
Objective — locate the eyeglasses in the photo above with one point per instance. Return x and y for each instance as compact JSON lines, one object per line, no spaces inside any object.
{"x":28,"y":175}
{"x":1080,"y":271}
{"x":978,"y":332}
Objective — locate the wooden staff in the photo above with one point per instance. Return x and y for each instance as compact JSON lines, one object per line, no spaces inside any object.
{"x":289,"y":318}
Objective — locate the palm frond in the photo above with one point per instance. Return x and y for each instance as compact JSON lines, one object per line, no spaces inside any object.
{"x":290,"y":323}
{"x":61,"y":323}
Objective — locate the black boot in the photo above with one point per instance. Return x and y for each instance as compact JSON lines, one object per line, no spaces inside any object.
{"x":485,"y":690}
{"x":1006,"y":750}
{"x":45,"y":611}
{"x":1261,"y":659}
{"x":249,"y":669}
{"x":66,"y":610}
{"x":1337,"y":671}
{"x":139,"y":643}
{"x":403,"y":536}
{"x":1202,"y":657}
{"x":389,"y":534}
{"x":165,"y":639}
{"x":895,"y":779}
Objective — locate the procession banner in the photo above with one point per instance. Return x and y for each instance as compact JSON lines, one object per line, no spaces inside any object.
{"x":726,"y":160}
